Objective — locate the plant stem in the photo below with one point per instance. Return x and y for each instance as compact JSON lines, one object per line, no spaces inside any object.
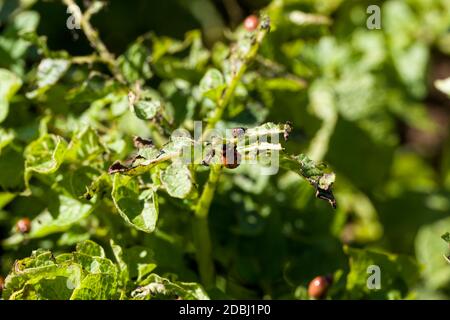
{"x":202,"y":238}
{"x":92,"y":34}
{"x":229,"y":91}
{"x":204,"y":203}
{"x":203,"y":251}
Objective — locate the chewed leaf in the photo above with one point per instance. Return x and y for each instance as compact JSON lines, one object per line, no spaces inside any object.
{"x":138,"y":208}
{"x":44,"y":156}
{"x":314,"y":174}
{"x":177,"y":180}
{"x":155,"y":286}
{"x":141,"y":143}
{"x":9,"y":84}
{"x":98,"y":186}
{"x":269,"y":129}
{"x":117,"y":167}
{"x":77,"y":275}
{"x":260,"y":146}
{"x":149,"y":157}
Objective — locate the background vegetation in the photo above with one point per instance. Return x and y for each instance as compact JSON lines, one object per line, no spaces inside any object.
{"x":368,"y":103}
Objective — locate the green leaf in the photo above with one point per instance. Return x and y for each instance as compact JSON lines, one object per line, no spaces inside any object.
{"x":95,"y":87}
{"x":134,"y":64}
{"x":6,"y":136}
{"x":82,"y":182}
{"x":85,"y":146}
{"x":94,"y":264}
{"x":409,"y":55}
{"x":149,"y":153}
{"x":48,"y":73}
{"x":62,"y":213}
{"x":10,"y":83}
{"x":430,"y":250}
{"x":39,"y":277}
{"x":96,"y":287}
{"x":118,"y":255}
{"x":49,"y":284}
{"x":5,"y":198}
{"x":212,"y":84}
{"x":147,"y":109}
{"x":90,"y":248}
{"x":177,"y":180}
{"x":134,"y":262}
{"x":12,"y":47}
{"x":397,"y":273}
{"x":50,"y":287}
{"x":68,"y":276}
{"x":157,"y":287}
{"x":138,"y":208}
{"x":44,"y":156}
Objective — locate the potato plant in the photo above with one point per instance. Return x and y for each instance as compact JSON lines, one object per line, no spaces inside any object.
{"x":292,"y":155}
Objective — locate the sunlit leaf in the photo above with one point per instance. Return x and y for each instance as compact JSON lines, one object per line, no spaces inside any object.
{"x":9,"y":85}
{"x":48,"y":73}
{"x":138,"y":208}
{"x":177,"y":180}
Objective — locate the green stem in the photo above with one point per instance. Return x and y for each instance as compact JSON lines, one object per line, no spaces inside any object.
{"x":229,"y":91}
{"x":202,"y":239}
{"x":207,"y":196}
{"x":203,"y":253}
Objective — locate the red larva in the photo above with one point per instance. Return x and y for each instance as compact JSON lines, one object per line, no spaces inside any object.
{"x":23,"y":225}
{"x":251,"y":23}
{"x":319,"y":286}
{"x":231,"y":158}
{"x":2,"y":284}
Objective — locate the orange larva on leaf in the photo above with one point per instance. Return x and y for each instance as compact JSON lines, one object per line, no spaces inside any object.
{"x":319,"y":286}
{"x":251,"y":23}
{"x":23,"y":225}
{"x":231,"y":158}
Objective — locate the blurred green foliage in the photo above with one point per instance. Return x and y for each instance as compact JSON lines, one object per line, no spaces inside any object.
{"x":372,"y":104}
